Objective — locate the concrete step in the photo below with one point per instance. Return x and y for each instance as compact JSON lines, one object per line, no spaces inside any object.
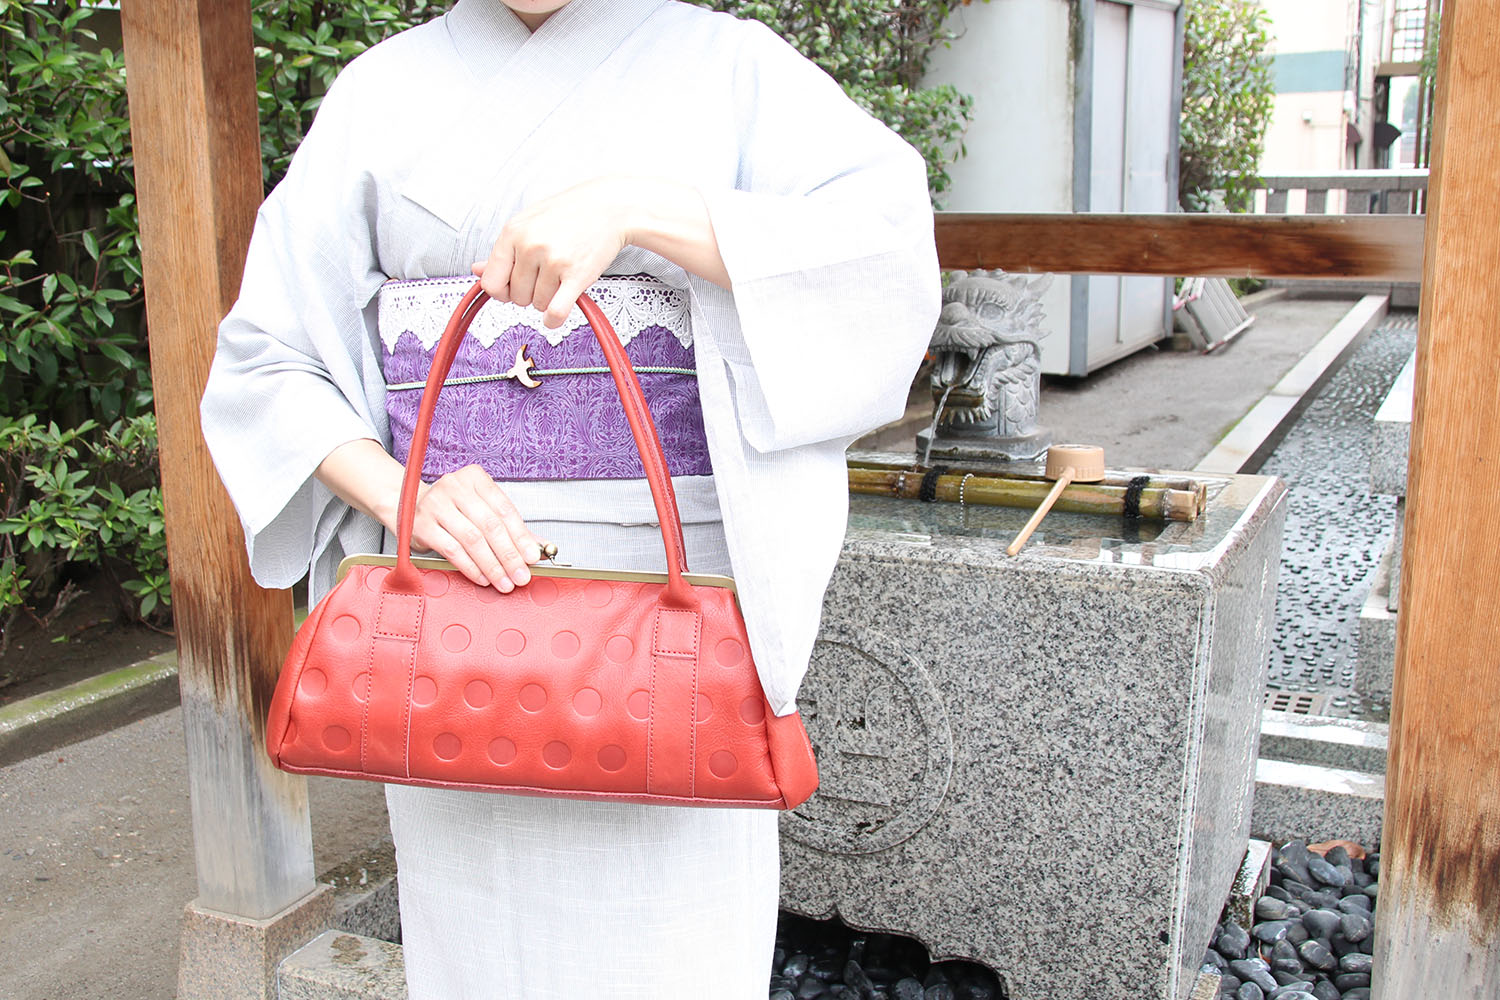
{"x":1316,"y":803}
{"x":1347,"y":744}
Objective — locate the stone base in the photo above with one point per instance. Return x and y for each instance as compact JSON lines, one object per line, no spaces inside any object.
{"x":1349,"y":744}
{"x":993,"y":449}
{"x":1316,"y":803}
{"x":1249,"y":883}
{"x":340,"y":966}
{"x":228,"y":957}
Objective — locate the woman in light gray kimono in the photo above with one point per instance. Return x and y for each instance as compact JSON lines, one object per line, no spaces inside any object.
{"x":554,"y":142}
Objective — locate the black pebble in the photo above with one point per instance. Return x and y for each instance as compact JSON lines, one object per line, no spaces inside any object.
{"x":907,"y":989}
{"x":1213,"y":960}
{"x":1356,"y":962}
{"x":1249,"y":991}
{"x":1356,"y":926}
{"x":1322,"y":923}
{"x":1284,"y":957}
{"x":1253,"y":970}
{"x":939,"y":991}
{"x":1357,"y":902}
{"x":1234,"y":941}
{"x":1271,"y":931}
{"x":1271,"y":908}
{"x":782,"y":995}
{"x":1336,"y":856}
{"x":1278,"y":892}
{"x":1347,"y":981}
{"x":856,"y":979}
{"x":1317,"y":956}
{"x":795,"y":967}
{"x":1324,"y":990}
{"x":1359,"y":993}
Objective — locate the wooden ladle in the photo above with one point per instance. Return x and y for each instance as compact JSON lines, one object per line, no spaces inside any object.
{"x":1066,"y":463}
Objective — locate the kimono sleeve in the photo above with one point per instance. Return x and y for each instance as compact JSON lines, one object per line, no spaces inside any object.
{"x":828,"y":241}
{"x":294,"y":356}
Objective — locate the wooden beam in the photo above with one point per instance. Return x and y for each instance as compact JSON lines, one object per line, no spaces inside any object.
{"x":1439,"y":929}
{"x":1373,"y":247}
{"x":191,"y":77}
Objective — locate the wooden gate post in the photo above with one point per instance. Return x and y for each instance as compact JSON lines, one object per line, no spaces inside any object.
{"x":193,"y":119}
{"x":1438,"y":933}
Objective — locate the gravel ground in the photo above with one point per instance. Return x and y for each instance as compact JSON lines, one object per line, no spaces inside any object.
{"x":1336,"y":530}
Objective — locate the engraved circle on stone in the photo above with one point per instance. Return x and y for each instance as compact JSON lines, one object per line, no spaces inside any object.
{"x":346,"y":628}
{"x":313,"y":682}
{"x":456,"y":638}
{"x":639,"y":704}
{"x":619,"y":648}
{"x":446,"y":745}
{"x":358,"y":686}
{"x":533,"y":698}
{"x":565,"y":644}
{"x":587,"y":701}
{"x":729,"y":652}
{"x":556,"y":754}
{"x":435,"y":582}
{"x":883,"y":743}
{"x":611,"y":757}
{"x":722,"y":763}
{"x":705,"y":707}
{"x":597,"y":593}
{"x":510,"y":642}
{"x":502,"y":751}
{"x":477,"y":694}
{"x":543,"y":591}
{"x":336,"y":738}
{"x":423,"y":690}
{"x":753,"y":711}
{"x":376,"y":577}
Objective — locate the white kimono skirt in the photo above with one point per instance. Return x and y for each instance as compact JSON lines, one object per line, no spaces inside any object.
{"x":422,"y":149}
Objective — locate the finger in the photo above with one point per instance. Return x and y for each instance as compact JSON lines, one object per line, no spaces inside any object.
{"x":526,"y":542}
{"x":497,"y":527}
{"x":494,"y":276}
{"x":433,"y":538}
{"x":547,"y":282}
{"x":472,"y":539}
{"x":523,"y":275}
{"x":562,"y":301}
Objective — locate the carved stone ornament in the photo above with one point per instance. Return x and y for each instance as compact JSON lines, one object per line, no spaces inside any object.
{"x":986,"y":384}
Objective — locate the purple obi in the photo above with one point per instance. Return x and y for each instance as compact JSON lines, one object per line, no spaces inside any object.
{"x":526,"y":402}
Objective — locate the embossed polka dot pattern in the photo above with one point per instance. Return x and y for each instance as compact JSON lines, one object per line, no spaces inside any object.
{"x":478,"y":694}
{"x":447,"y":746}
{"x":565,"y":645}
{"x":557,"y":754}
{"x":611,"y":757}
{"x":375,"y":579}
{"x":478,"y":689}
{"x":587,"y":702}
{"x":533,"y":697}
{"x":435,"y":582}
{"x":502,"y":751}
{"x":723,"y":764}
{"x":346,"y":628}
{"x":456,"y":638}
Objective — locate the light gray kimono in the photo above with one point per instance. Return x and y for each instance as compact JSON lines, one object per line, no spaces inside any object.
{"x":421,"y":151}
{"x":426,"y":144}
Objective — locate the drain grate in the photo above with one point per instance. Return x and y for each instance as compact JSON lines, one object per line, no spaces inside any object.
{"x":1296,"y":702}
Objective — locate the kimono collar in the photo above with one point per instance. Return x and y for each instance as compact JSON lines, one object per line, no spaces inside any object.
{"x":521,"y":77}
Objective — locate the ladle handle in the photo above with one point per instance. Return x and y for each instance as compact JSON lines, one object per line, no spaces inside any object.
{"x":1041,"y":511}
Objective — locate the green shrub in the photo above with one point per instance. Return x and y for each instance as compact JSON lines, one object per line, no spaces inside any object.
{"x":878,"y":50}
{"x":1227,"y":99}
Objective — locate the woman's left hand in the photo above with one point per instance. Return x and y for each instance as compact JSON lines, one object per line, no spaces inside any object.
{"x":551,"y":252}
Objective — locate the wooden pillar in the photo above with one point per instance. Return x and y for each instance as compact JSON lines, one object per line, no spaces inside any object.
{"x":194,"y":129}
{"x":1438,"y":933}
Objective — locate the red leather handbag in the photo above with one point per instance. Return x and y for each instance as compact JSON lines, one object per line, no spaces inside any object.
{"x":584,"y":684}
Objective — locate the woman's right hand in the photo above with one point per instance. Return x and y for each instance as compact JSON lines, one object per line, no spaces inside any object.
{"x":463,"y":516}
{"x":469,"y":521}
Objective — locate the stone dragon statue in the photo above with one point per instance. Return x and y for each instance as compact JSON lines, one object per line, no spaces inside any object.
{"x":987,"y":377}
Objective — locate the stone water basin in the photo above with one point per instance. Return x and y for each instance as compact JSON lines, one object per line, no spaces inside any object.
{"x":1042,"y":763}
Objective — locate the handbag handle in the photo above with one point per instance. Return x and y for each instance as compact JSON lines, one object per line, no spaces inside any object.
{"x":404,"y":577}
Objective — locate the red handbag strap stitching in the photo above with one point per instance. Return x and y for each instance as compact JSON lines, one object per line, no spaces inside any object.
{"x":404,"y":577}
